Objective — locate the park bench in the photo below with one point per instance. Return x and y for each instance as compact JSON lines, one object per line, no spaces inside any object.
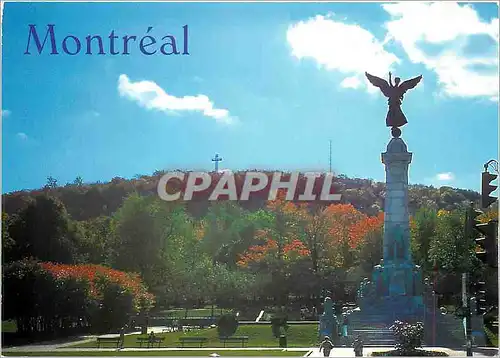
{"x":242,"y":339}
{"x":200,"y":340}
{"x":150,"y":342}
{"x":102,"y":340}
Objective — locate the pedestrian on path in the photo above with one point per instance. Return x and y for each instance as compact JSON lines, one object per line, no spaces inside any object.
{"x":122,"y":337}
{"x":358,"y":346}
{"x":326,"y":346}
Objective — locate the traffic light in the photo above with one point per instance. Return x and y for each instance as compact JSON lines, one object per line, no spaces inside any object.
{"x":480,"y":294}
{"x":487,"y":189}
{"x":472,"y":221}
{"x":487,"y":250}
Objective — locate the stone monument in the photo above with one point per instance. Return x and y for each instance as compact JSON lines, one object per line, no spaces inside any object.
{"x":397,"y":290}
{"x":328,"y":324}
{"x":396,"y":284}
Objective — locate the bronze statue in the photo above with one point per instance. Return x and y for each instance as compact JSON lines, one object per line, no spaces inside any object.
{"x":395,"y":116}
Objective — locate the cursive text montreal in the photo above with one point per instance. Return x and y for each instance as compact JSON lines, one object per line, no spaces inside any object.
{"x":46,"y":41}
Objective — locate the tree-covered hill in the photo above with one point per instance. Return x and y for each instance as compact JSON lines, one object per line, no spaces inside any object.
{"x":259,"y":253}
{"x":85,"y":201}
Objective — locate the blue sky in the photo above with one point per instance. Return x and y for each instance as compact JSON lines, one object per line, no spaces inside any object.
{"x":267,"y":85}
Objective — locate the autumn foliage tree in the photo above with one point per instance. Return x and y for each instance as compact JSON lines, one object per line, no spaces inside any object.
{"x":340,"y":247}
{"x":48,"y":298}
{"x":367,"y":237}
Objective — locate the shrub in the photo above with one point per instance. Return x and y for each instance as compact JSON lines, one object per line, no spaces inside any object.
{"x":408,"y":336}
{"x":227,"y":324}
{"x":279,"y":324}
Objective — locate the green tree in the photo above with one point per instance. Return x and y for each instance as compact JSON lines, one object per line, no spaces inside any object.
{"x":51,"y":183}
{"x":78,"y":181}
{"x":157,"y":240}
{"x":230,"y":287}
{"x":229,"y":230}
{"x":8,"y":244}
{"x":449,"y":248}
{"x":423,"y":230}
{"x":138,"y":241}
{"x":44,"y":230}
{"x":96,"y":240}
{"x":371,"y":250}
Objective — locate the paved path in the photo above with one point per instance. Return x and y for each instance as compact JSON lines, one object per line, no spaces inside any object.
{"x":349,"y":352}
{"x":308,"y":352}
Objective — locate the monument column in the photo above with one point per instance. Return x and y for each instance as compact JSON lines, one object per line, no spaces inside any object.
{"x":397,"y":278}
{"x":396,"y":217}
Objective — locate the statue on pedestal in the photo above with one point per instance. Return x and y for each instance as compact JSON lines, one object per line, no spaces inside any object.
{"x":328,"y":325}
{"x":395,"y":290}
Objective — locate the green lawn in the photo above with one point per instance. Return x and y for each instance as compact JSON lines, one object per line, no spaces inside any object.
{"x":9,"y":326}
{"x":160,"y":353}
{"x":305,"y":335}
{"x":194,"y":312}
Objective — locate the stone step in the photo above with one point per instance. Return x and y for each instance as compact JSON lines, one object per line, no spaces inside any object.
{"x":378,"y":323}
{"x":372,"y":333}
{"x":374,"y":322}
{"x":373,"y":336}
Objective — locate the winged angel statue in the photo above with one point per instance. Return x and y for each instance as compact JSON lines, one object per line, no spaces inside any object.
{"x":395,"y":116}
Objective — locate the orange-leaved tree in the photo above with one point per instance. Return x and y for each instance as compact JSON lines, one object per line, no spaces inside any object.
{"x":96,"y":274}
{"x":339,"y":249}
{"x":366,"y":237}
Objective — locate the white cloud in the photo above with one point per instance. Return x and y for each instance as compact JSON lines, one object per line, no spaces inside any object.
{"x":445,"y":176}
{"x":151,"y":96}
{"x":22,"y":136}
{"x":442,"y":36}
{"x":347,"y":48}
{"x":6,"y":113}
{"x":351,"y":82}
{"x":448,"y":27}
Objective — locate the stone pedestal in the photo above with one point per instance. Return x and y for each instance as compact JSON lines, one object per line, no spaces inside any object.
{"x":396,"y":285}
{"x":396,"y":217}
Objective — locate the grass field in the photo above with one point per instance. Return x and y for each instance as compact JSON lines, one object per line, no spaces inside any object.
{"x":232,"y":353}
{"x":9,"y":326}
{"x":305,"y":335}
{"x":193,"y":312}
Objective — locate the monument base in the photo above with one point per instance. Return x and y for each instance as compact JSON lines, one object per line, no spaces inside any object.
{"x":392,"y":294}
{"x":395,"y":291}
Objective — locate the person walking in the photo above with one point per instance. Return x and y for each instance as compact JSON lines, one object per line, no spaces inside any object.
{"x":358,"y":346}
{"x":327,"y":346}
{"x":122,"y":337}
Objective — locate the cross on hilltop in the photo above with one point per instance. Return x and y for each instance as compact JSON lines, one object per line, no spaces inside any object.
{"x":216,"y":159}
